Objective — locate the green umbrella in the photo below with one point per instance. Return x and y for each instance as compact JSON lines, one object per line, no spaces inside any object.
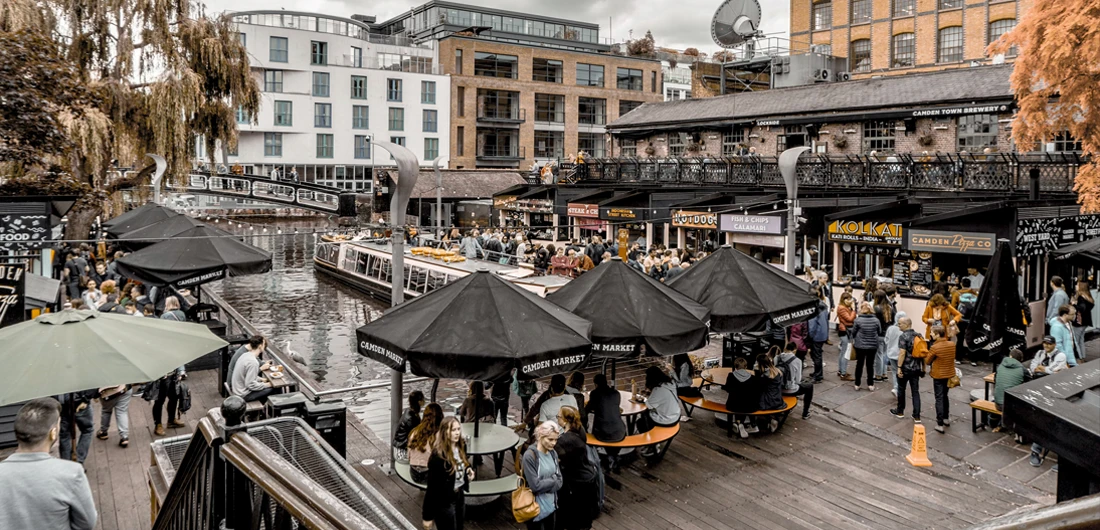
{"x":76,"y":350}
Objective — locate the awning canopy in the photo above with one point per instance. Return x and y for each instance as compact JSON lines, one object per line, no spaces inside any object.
{"x":41,"y":291}
{"x":1084,"y":254}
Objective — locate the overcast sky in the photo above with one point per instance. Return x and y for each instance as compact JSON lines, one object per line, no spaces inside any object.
{"x":674,"y":23}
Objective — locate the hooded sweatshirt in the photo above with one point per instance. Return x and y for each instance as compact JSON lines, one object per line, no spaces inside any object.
{"x":795,"y":367}
{"x":893,"y":333}
{"x":743,"y":391}
{"x":1009,"y":374}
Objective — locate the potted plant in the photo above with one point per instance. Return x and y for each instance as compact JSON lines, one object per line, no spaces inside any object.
{"x":649,"y":150}
{"x":925,"y":140}
{"x":840,"y":142}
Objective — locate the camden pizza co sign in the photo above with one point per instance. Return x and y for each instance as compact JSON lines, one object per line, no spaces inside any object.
{"x":690,"y":219}
{"x":13,"y":286}
{"x":866,"y":232}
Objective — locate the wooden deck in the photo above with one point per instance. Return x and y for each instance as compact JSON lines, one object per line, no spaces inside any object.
{"x":813,"y":474}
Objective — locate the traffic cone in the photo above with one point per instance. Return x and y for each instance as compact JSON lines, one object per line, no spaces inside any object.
{"x":918,"y":455}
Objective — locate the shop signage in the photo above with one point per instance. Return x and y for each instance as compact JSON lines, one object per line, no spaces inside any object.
{"x":972,"y":243}
{"x":533,"y":205}
{"x":13,"y":286}
{"x":24,"y":225}
{"x":615,"y":213}
{"x":765,"y":123}
{"x":759,"y":240}
{"x":577,"y":209}
{"x":501,"y":202}
{"x":868,"y":232}
{"x":959,"y":111}
{"x":1039,"y":236}
{"x":751,"y":224}
{"x":690,"y":219}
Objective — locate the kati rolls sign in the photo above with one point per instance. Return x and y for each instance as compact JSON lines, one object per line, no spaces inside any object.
{"x":751,"y":224}
{"x":974,"y":243}
{"x":867,"y":232}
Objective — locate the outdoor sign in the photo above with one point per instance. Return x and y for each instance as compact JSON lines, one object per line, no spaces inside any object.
{"x":1039,"y":236}
{"x":615,"y":213}
{"x":13,"y":286}
{"x":972,"y":243}
{"x":501,"y":202}
{"x":576,"y":209}
{"x":690,"y":219}
{"x":202,"y":278}
{"x":751,"y":224}
{"x":867,"y":232}
{"x":24,"y":225}
{"x":615,"y":350}
{"x":960,"y":111}
{"x":533,"y":205}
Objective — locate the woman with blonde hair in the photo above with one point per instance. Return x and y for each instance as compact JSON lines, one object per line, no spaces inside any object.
{"x":940,"y":313}
{"x":449,"y":476}
{"x":543,"y":475}
{"x":864,"y":337}
{"x":421,"y":439}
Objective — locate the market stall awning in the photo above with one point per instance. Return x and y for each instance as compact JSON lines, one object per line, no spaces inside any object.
{"x":200,"y":255}
{"x":1084,"y":254}
{"x":899,"y":209}
{"x":137,"y":218}
{"x":41,"y":292}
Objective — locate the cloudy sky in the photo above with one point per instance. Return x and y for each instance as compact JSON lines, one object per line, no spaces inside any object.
{"x":674,"y":23}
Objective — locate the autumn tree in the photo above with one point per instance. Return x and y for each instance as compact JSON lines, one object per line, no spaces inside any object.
{"x":1057,"y":82}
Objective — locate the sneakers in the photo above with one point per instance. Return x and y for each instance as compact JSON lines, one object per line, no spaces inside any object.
{"x":124,"y":442}
{"x":102,"y":435}
{"x":958,"y":361}
{"x":846,"y":377}
{"x":857,"y":388}
{"x":159,"y":430}
{"x":871,"y":388}
{"x":751,"y":429}
{"x":773,"y":425}
{"x":897,"y":413}
{"x":972,"y":363}
{"x":946,"y":422}
{"x":741,"y":431}
{"x":916,"y":421}
{"x":939,"y":429}
{"x":894,"y":391}
{"x":1036,"y":459}
{"x":806,"y":416}
{"x":684,"y":419}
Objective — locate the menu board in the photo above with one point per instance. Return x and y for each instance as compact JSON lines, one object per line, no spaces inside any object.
{"x":922,"y":277}
{"x":901,"y":273}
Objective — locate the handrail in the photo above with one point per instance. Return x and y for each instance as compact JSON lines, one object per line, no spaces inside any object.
{"x":1078,"y":514}
{"x":193,"y":481}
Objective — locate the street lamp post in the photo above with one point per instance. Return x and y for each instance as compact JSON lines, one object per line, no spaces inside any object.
{"x":788,"y":161}
{"x":438,"y":196}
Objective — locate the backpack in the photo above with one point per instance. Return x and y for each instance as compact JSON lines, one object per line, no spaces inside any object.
{"x":183,"y":392}
{"x":785,"y":367}
{"x":920,"y":347}
{"x":914,"y":360}
{"x":966,"y":305}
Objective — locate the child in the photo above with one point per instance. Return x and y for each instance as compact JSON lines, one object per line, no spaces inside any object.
{"x":743,"y":395}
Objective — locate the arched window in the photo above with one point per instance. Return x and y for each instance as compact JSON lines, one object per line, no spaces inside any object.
{"x":823,"y":15}
{"x":859,"y":58}
{"x":951,"y":44}
{"x":904,"y":53}
{"x":998,"y":28}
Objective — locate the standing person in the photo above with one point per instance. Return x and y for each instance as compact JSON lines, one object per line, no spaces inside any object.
{"x":1083,"y":303}
{"x":76,"y":414}
{"x":476,"y":407}
{"x":884,"y":312}
{"x":115,"y":401}
{"x":607,"y":423}
{"x":420,"y":442}
{"x":864,"y":332}
{"x":965,"y":300}
{"x":91,"y":296}
{"x":1062,"y":331}
{"x":976,"y":278}
{"x":771,"y":387}
{"x":776,"y":334}
{"x":662,"y":405}
{"x":543,"y":476}
{"x":72,"y":275}
{"x":870,"y":285}
{"x":41,"y":491}
{"x":1049,"y":360}
{"x":524,"y":389}
{"x":683,"y":376}
{"x":501,"y":393}
{"x":800,"y":336}
{"x":941,"y":358}
{"x":595,"y":250}
{"x":819,"y":334}
{"x":470,"y":247}
{"x":1010,"y":373}
{"x":410,"y":419}
{"x":449,"y":476}
{"x":845,"y":317}
{"x":791,"y":364}
{"x":912,"y":350}
{"x":159,"y":391}
{"x":939,"y":313}
{"x":579,"y":492}
{"x":246,"y":381}
{"x":1058,"y":297}
{"x":893,"y":333}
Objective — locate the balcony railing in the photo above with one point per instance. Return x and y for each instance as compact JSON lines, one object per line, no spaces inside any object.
{"x":514,"y":152}
{"x":999,"y":172}
{"x":502,"y":114}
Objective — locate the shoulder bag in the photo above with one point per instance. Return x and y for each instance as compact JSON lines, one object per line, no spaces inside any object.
{"x":524,"y":505}
{"x":955,"y":380}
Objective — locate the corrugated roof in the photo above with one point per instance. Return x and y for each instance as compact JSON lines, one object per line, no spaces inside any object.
{"x":958,"y":85}
{"x":463,"y":184}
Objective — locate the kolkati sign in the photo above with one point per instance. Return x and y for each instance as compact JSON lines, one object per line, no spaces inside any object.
{"x":973,"y":243}
{"x":867,"y":232}
{"x":690,"y":219}
{"x":576,"y":209}
{"x":751,"y":224}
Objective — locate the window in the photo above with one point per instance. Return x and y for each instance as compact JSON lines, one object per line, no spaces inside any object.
{"x":546,"y":70}
{"x":393,"y":90}
{"x":278,"y":49}
{"x":1063,"y":142}
{"x":243,"y":39}
{"x":399,"y":140}
{"x":324,"y":146}
{"x":273,"y":81}
{"x":322,"y":115}
{"x":460,"y":139}
{"x":431,"y":121}
{"x":904,"y":8}
{"x":592,"y":143}
{"x":904,"y":50}
{"x":397,"y":119}
{"x":320,"y":84}
{"x":878,"y":136}
{"x":461,"y":99}
{"x":273,"y":144}
{"x":496,"y":65}
{"x":951,"y":44}
{"x":356,"y":56}
{"x":242,"y":116}
{"x":823,"y":15}
{"x":998,"y":28}
{"x":626,"y":106}
{"x":823,"y":49}
{"x":677,"y":144}
{"x":653,"y":81}
{"x":950,"y":4}
{"x":284,"y":111}
{"x":977,"y":131}
{"x":628,"y":79}
{"x":431,"y":148}
{"x":549,"y":144}
{"x":549,"y":108}
{"x":733,"y":142}
{"x":458,"y":62}
{"x":358,"y":87}
{"x":318,"y":52}
{"x":592,"y":111}
{"x":861,"y":11}
{"x":498,"y":104}
{"x":628,"y":147}
{"x":427,"y":92}
{"x":360,"y":117}
{"x":589,"y":75}
{"x":362,"y":147}
{"x":861,"y":55}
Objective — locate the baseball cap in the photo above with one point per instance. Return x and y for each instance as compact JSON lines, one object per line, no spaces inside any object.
{"x":1049,"y":340}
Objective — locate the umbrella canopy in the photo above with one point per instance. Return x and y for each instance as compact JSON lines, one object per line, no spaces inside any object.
{"x":76,"y":350}
{"x":1000,"y":318}
{"x":628,"y":309}
{"x":137,"y":218}
{"x":1084,"y":254}
{"x":159,"y":231}
{"x":743,"y":293}
{"x":480,"y":327}
{"x":196,"y":256}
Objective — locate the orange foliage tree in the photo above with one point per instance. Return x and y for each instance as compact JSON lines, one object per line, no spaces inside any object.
{"x":1057,"y":82}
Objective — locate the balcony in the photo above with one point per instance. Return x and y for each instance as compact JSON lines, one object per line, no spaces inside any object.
{"x":502,"y":152}
{"x":502,"y":115}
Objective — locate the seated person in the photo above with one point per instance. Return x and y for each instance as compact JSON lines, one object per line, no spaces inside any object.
{"x":662,"y":405}
{"x":604,"y":403}
{"x":246,"y":381}
{"x":575,"y":388}
{"x":742,"y":394}
{"x":790,"y":363}
{"x":476,"y":407}
{"x":410,"y":419}
{"x":533,"y":413}
{"x":1009,"y":374}
{"x":558,"y":398}
{"x":683,"y":375}
{"x":771,"y":387}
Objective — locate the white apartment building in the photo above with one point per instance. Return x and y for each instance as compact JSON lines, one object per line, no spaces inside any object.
{"x":330,"y":88}
{"x":676,"y":81}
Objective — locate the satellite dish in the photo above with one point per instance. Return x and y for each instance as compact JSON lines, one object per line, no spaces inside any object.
{"x":735,"y":22}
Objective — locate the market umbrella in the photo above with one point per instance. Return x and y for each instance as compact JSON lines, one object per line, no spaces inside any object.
{"x":159,"y":231}
{"x":137,"y":218}
{"x":74,"y":350}
{"x":479,"y":328}
{"x":196,"y":256}
{"x":628,"y":309}
{"x":1000,"y":318}
{"x":1085,"y":254}
{"x":743,"y":293}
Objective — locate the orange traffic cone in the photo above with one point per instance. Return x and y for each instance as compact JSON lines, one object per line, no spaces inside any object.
{"x":918,"y":455}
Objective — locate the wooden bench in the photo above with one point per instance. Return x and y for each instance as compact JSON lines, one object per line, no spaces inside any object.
{"x":690,"y":404}
{"x":478,"y":488}
{"x":252,"y":409}
{"x":656,"y":435}
{"x":986,"y":407}
{"x":989,"y":380}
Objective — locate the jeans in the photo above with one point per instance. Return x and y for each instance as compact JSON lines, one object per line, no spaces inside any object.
{"x":806,"y":390}
{"x":865,"y":358}
{"x":453,"y":517}
{"x":815,"y":354}
{"x":880,"y":358}
{"x":842,"y":359}
{"x":914,"y":384}
{"x":257,"y":395}
{"x":544,"y":524}
{"x":85,"y":423}
{"x":1079,"y":342}
{"x":500,"y":410}
{"x":120,"y":407}
{"x":943,"y":406}
{"x":892,"y":372}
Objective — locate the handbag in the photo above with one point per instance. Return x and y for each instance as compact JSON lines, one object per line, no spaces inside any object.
{"x":851,"y":352}
{"x":524,"y":505}
{"x":955,"y":380}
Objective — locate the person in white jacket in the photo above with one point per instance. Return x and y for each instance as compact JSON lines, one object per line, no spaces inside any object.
{"x":1050,"y":359}
{"x":893,"y":333}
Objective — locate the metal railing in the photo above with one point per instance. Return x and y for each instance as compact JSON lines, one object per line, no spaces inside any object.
{"x":493,"y":151}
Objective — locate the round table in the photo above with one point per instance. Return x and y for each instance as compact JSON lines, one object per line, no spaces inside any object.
{"x":492,"y":439}
{"x":716,"y":375}
{"x":628,"y":409}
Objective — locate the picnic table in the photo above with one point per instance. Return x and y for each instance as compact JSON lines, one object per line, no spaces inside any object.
{"x":629,"y":409}
{"x":492,"y":440}
{"x":716,"y":375}
{"x":279,"y":378}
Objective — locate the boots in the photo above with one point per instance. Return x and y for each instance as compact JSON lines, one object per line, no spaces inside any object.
{"x":159,"y":430}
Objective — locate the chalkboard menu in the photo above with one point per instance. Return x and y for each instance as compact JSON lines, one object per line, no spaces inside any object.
{"x":923,"y":274}
{"x":901,"y":273}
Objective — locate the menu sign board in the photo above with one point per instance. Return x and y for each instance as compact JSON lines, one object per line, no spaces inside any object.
{"x":503,"y":201}
{"x":866,"y":232}
{"x":576,"y":209}
{"x":1039,"y":236}
{"x":24,"y":225}
{"x":690,"y":219}
{"x":751,"y":224}
{"x":901,"y":272}
{"x":972,"y":243}
{"x":13,"y":286}
{"x":615,"y":213}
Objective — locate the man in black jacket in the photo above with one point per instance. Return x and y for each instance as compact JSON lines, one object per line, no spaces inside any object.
{"x":595,"y":250}
{"x":76,"y":409}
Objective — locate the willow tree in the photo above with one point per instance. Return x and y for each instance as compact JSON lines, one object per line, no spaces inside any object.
{"x":164,"y":73}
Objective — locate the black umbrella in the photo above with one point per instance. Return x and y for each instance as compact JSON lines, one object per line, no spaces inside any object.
{"x":1084,"y":254}
{"x":999,"y":320}
{"x":743,"y":293}
{"x":628,"y":309}
{"x":196,"y":256}
{"x":479,"y":328}
{"x":159,"y":231}
{"x":137,"y":218}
